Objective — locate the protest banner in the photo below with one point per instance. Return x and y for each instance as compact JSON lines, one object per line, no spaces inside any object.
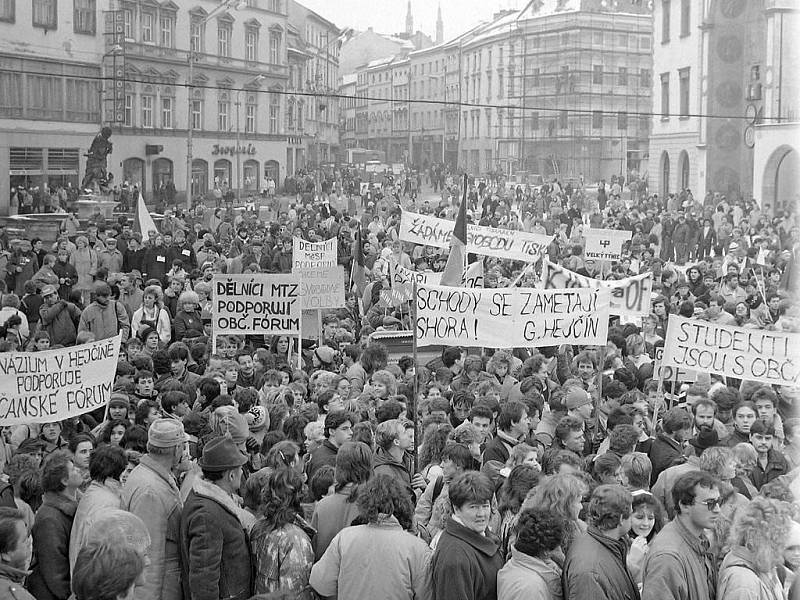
{"x":473,"y":275}
{"x":771,"y":357}
{"x":629,"y":296}
{"x":605,"y":244}
{"x":660,"y":371}
{"x":321,"y":278}
{"x":510,"y":317}
{"x":53,"y":385}
{"x":257,"y":304}
{"x":402,"y":284}
{"x":488,"y":241}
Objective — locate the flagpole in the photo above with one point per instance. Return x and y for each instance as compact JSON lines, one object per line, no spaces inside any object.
{"x":464,"y":200}
{"x":415,"y":386}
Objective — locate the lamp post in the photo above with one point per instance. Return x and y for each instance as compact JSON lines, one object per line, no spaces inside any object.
{"x":223,"y":7}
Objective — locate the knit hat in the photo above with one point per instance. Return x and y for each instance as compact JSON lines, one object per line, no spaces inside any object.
{"x":707,"y":437}
{"x":165,"y":433}
{"x":119,"y":399}
{"x":325,"y":354}
{"x":257,"y":418}
{"x":226,"y":420}
{"x":577,"y":397}
{"x":48,"y":290}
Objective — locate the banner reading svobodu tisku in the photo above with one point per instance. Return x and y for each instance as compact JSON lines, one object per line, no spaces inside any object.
{"x":321,"y":278}
{"x":510,"y":317}
{"x":771,"y":357}
{"x":258,"y":304}
{"x":605,"y":244}
{"x":487,"y":241}
{"x":629,"y":296}
{"x":53,"y":385}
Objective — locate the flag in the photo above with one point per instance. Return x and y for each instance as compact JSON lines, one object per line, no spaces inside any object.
{"x":143,"y":222}
{"x":357,"y":276}
{"x":456,"y":262}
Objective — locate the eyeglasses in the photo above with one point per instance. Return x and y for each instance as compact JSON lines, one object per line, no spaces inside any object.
{"x":711,"y":503}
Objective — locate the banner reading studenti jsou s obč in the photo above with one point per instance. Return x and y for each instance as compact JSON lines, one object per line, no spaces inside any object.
{"x":510,"y":317}
{"x":256,"y":304}
{"x":771,"y":357}
{"x":53,"y":385}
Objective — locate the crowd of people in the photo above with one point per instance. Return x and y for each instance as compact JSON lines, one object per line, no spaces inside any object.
{"x":272,"y":467}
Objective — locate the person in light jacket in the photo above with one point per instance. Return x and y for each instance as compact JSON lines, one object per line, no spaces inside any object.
{"x":105,"y":318}
{"x":380,"y":559}
{"x":530,"y":573}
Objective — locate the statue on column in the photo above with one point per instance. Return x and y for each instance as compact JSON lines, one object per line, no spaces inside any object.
{"x":97,"y":175}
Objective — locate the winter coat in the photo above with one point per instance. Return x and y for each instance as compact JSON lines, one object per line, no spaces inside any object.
{"x":154,"y":265}
{"x":11,"y":583}
{"x":526,"y":577}
{"x":215,"y":552}
{"x":740,"y":580}
{"x":105,"y":321}
{"x":332,"y":514}
{"x":282,"y":558}
{"x":67,"y":272}
{"x":776,"y":466}
{"x":151,"y":493}
{"x":378,"y":560}
{"x":97,"y":498}
{"x":385,"y":464}
{"x":678,"y":566}
{"x":465,"y":564}
{"x":664,"y":453}
{"x":51,"y":529}
{"x":28,"y":264}
{"x":85,"y":262}
{"x":595,"y":569}
{"x":60,"y":321}
{"x":187,"y":325}
{"x":324,"y":454}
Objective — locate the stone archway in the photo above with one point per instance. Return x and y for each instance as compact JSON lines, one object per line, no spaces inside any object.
{"x":781,"y":178}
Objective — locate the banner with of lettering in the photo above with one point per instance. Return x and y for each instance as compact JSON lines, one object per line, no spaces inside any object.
{"x":771,"y":357}
{"x":321,"y":278}
{"x":629,"y":296}
{"x":510,"y":317}
{"x":487,"y":241}
{"x":256,"y":304}
{"x":605,"y":244}
{"x":53,"y":385}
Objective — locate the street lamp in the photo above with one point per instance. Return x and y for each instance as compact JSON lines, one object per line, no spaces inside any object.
{"x":223,"y":7}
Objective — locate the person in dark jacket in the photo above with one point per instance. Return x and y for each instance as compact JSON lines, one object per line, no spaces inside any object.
{"x":215,"y":551}
{"x":667,"y":449}
{"x":59,"y":317}
{"x":467,"y":557}
{"x":595,"y":567}
{"x":15,"y":554}
{"x":154,"y":265}
{"x":771,"y":463}
{"x":394,"y":439}
{"x":338,"y":430}
{"x":513,"y":425}
{"x":51,"y":529}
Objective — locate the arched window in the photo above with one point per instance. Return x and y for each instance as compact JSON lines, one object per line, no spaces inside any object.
{"x":683,"y":170}
{"x":199,"y":176}
{"x":271,"y":169}
{"x":250,"y":174}
{"x":665,"y":174}
{"x":162,"y":172}
{"x":222,"y":172}
{"x":133,"y":172}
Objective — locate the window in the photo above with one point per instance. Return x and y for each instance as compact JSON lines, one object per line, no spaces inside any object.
{"x":489,"y":132}
{"x":127,"y":16}
{"x":82,"y":101}
{"x":645,"y":79}
{"x":597,"y":74}
{"x":224,"y":39}
{"x":597,"y":119}
{"x":197,"y":114}
{"x":223,"y":115}
{"x":644,"y":42}
{"x":45,"y":97}
{"x":128,"y":110}
{"x":10,"y":94}
{"x":665,"y":16}
{"x":622,"y":40}
{"x":166,"y":113}
{"x":622,"y":120}
{"x":196,"y":35}
{"x":622,"y":76}
{"x":45,"y":13}
{"x":274,"y":6}
{"x":500,"y":86}
{"x":250,"y":116}
{"x":686,"y":15}
{"x":664,"y":95}
{"x":85,"y":20}
{"x":7,"y":11}
{"x":275,"y":47}
{"x":562,"y":119}
{"x":147,"y":27}
{"x":251,"y":44}
{"x":597,"y":38}
{"x":534,"y":121}
{"x":147,"y":111}
{"x":536,"y":77}
{"x":166,"y":27}
{"x":683,"y":90}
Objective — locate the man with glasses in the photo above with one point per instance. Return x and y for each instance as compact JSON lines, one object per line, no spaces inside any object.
{"x":680,"y":564}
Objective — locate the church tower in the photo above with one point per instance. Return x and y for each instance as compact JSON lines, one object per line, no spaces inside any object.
{"x":409,"y":21}
{"x":439,"y":26}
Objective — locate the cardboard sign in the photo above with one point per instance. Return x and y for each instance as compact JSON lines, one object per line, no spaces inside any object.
{"x":53,"y":385}
{"x":771,"y":357}
{"x":629,"y":296}
{"x":605,"y":244}
{"x":670,"y":373}
{"x":510,"y":317}
{"x":487,"y":241}
{"x":256,"y":304}
{"x":321,"y":279}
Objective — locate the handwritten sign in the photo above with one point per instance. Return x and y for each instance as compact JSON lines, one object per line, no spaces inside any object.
{"x":321,"y":279}
{"x":259,"y":303}
{"x":629,"y":296}
{"x":488,"y":241}
{"x":510,"y":317}
{"x":771,"y":357}
{"x":53,"y":385}
{"x":605,"y":244}
{"x":670,"y":373}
